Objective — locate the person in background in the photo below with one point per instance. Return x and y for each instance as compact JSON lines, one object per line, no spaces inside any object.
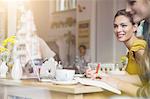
{"x":82,"y":59}
{"x":125,"y":31}
{"x":83,"y":53}
{"x":140,"y":10}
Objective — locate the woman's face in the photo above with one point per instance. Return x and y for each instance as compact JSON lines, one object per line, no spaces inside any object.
{"x":140,"y":9}
{"x":82,"y":51}
{"x":123,"y":28}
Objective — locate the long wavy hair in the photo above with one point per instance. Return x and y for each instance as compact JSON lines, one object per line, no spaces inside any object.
{"x":145,"y":60}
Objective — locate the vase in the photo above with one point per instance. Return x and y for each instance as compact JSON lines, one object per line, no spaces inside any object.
{"x":3,"y":70}
{"x":17,"y":72}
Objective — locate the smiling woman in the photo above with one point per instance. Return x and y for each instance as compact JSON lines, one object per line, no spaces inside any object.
{"x":125,"y":30}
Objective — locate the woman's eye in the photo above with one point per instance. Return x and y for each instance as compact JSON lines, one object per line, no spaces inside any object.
{"x":115,"y":26}
{"x":123,"y":25}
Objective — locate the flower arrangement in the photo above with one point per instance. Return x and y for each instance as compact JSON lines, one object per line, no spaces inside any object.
{"x":6,"y":49}
{"x":123,"y":60}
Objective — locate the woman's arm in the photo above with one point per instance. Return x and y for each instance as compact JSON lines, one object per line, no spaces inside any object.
{"x":134,"y":79}
{"x":128,"y":88}
{"x":143,"y":91}
{"x":122,"y":85}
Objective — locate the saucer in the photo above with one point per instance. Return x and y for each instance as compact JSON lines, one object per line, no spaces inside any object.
{"x":29,"y":77}
{"x":54,"y":81}
{"x":79,"y":75}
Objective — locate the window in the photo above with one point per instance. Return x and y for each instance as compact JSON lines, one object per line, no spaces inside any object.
{"x":62,"y":5}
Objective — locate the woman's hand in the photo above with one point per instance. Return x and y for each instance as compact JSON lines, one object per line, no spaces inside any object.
{"x":91,"y":73}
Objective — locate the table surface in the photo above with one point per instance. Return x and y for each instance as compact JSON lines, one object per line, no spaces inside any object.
{"x":73,"y":89}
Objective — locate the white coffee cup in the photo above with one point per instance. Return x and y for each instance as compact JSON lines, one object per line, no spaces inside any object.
{"x":64,"y":74}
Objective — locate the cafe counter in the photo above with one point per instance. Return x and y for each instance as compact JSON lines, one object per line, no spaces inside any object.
{"x":33,"y":89}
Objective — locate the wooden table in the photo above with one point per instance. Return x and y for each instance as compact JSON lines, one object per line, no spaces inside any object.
{"x":33,"y":89}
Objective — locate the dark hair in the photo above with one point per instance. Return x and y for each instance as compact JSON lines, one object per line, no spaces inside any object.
{"x":124,"y":13}
{"x":83,"y":46}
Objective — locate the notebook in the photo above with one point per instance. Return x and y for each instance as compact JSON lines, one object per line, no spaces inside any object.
{"x":98,"y":83}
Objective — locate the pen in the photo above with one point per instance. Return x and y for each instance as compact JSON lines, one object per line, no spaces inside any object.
{"x":97,"y":68}
{"x":98,"y":71}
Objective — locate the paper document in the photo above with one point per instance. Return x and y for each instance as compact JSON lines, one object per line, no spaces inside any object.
{"x":98,"y":83}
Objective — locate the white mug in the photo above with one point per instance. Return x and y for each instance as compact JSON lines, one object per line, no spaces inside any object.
{"x":64,"y":74}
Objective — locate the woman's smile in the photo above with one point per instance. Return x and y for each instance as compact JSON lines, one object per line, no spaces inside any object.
{"x":120,"y":34}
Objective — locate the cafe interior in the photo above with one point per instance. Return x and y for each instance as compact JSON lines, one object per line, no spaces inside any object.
{"x":45,"y":36}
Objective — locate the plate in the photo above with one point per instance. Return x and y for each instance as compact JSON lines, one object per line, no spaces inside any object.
{"x":54,"y":81}
{"x":29,"y":77}
{"x":79,"y":75}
